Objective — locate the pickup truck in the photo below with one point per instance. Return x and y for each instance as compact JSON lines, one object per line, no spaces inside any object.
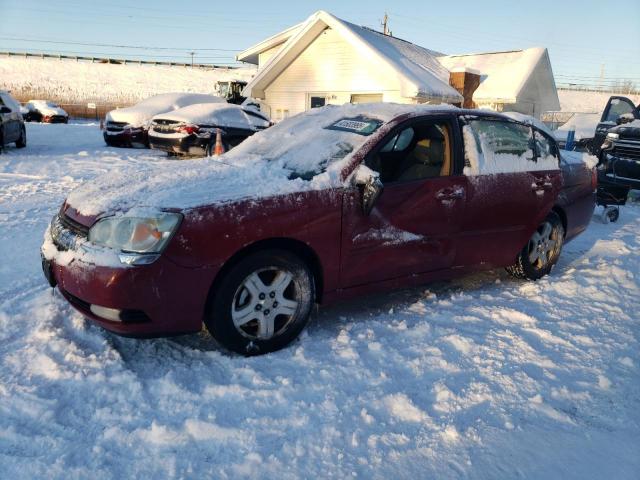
{"x":617,"y":142}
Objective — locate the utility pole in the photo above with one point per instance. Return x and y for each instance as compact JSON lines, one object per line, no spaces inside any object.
{"x":192,"y":54}
{"x":385,"y":22}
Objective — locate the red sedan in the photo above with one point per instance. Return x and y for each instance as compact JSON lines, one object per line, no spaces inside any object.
{"x":336,"y":202}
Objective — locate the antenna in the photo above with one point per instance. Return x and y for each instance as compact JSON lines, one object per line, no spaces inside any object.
{"x":385,"y":24}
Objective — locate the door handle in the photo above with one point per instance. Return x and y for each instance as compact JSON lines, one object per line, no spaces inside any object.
{"x":450,"y":194}
{"x":541,"y":185}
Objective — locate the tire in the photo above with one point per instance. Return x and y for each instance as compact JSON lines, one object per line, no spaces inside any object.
{"x":541,"y":252}
{"x":241,"y":314}
{"x":22,"y":141}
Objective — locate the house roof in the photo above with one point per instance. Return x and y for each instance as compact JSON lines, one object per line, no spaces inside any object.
{"x":251,"y":54}
{"x":503,"y":75}
{"x":420,"y":73}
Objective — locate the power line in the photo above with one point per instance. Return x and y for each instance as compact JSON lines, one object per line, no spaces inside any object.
{"x":138,"y":47}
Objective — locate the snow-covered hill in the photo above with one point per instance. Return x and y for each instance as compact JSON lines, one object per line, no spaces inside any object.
{"x":587,"y":102}
{"x":68,"y":81}
{"x":485,"y":377}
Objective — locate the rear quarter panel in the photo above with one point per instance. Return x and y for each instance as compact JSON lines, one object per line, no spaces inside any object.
{"x":577,"y":197}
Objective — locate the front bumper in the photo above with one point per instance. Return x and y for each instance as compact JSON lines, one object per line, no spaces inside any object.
{"x":620,"y":170}
{"x":160,"y":299}
{"x":187,"y":144}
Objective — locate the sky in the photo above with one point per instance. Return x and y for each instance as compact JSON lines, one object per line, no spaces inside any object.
{"x":586,"y":39}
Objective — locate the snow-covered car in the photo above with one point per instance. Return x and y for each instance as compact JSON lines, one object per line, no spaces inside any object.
{"x":12,"y":128}
{"x":323,"y":206}
{"x":128,"y":127}
{"x":44,"y":111}
{"x":193,"y":130}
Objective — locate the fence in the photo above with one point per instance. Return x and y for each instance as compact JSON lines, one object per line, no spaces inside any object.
{"x":92,"y":111}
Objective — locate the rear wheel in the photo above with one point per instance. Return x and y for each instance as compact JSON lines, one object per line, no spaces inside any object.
{"x":542,"y":251}
{"x":22,"y":141}
{"x":262,"y":304}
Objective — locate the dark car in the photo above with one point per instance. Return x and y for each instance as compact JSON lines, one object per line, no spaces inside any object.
{"x":193,"y":130}
{"x":618,"y":140}
{"x":44,"y":111}
{"x":128,"y":127}
{"x":323,"y":206}
{"x":12,"y":128}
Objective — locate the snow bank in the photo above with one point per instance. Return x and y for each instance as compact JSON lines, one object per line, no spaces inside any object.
{"x":587,"y":102}
{"x":139,"y":114}
{"x":584,"y":125}
{"x":68,"y":81}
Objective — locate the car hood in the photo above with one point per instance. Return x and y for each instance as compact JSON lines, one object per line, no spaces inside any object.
{"x":186,"y":184}
{"x":50,"y":111}
{"x":628,"y":130}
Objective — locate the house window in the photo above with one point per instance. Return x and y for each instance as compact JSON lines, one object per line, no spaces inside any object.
{"x":366,"y":97}
{"x":317,"y":102}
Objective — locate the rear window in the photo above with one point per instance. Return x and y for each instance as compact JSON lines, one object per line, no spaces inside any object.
{"x":496,"y":146}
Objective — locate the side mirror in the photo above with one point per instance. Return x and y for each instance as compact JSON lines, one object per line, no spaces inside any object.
{"x":370,"y":186}
{"x":5,"y":110}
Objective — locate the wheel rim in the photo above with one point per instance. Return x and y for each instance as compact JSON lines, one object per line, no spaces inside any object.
{"x":265,"y":303}
{"x":545,"y":244}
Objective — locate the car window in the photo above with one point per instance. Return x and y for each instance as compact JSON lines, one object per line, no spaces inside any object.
{"x":545,"y":147}
{"x":420,"y":151}
{"x":618,"y":107}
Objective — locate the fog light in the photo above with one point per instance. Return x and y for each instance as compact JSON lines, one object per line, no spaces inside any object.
{"x":112,"y":314}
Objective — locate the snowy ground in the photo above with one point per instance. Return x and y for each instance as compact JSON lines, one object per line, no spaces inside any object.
{"x":68,"y":81}
{"x":485,"y":377}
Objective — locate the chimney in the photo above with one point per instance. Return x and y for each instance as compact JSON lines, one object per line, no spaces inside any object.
{"x":466,"y":81}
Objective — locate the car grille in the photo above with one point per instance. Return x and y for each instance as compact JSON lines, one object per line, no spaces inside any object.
{"x":627,"y":151}
{"x":116,"y":126}
{"x":66,"y":233}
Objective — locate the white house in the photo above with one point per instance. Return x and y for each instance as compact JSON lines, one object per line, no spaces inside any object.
{"x":326,"y":60}
{"x":519,"y":80}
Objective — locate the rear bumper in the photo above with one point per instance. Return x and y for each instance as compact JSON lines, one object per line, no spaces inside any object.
{"x":181,"y":144}
{"x":161,"y":299}
{"x":126,"y":138}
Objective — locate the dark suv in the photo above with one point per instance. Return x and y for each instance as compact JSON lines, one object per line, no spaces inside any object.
{"x":12,"y":128}
{"x":617,"y":142}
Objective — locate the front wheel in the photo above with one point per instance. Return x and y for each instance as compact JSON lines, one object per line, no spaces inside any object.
{"x":542,"y":251}
{"x":261,"y":304}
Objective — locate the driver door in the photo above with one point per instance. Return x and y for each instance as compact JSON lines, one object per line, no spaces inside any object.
{"x":412,"y":225}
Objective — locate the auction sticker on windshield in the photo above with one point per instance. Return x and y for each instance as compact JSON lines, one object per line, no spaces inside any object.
{"x":360,"y":125}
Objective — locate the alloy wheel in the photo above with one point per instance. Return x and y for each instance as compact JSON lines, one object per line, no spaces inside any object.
{"x":265,"y":303}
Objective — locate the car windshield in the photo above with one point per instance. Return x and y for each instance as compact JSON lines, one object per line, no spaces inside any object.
{"x":306,"y":144}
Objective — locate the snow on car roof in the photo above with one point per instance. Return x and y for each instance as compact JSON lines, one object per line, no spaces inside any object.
{"x":273,"y":161}
{"x":141,"y":112}
{"x":216,"y":114}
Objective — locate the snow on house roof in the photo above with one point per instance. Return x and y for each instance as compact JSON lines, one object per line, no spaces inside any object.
{"x":503,"y":74}
{"x":251,"y":54}
{"x":419,"y":71}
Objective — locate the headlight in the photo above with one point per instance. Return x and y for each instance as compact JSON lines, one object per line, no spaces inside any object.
{"x":136,"y":234}
{"x":612,"y":136}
